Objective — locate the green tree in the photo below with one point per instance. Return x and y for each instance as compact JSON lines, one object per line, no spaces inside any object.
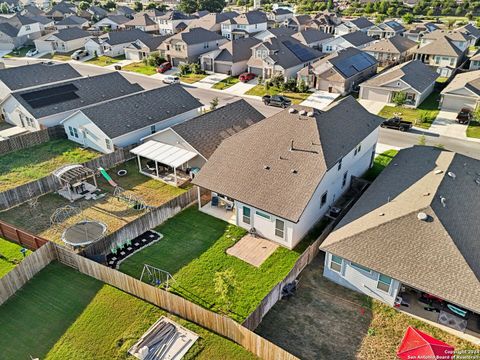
{"x":83,"y":5}
{"x":399,"y":98}
{"x":391,"y":11}
{"x":110,"y":5}
{"x":458,"y":11}
{"x":369,"y":8}
{"x":188,"y":6}
{"x":195,"y":68}
{"x":469,"y":16}
{"x":225,"y":283}
{"x":214,"y":103}
{"x":137,"y":6}
{"x":151,"y":6}
{"x":330,"y":5}
{"x":214,"y":6}
{"x":407,"y":18}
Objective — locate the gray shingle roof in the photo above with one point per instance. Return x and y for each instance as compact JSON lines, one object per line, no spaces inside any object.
{"x":311,"y":35}
{"x":141,"y":20}
{"x":439,"y":256}
{"x":469,"y":80}
{"x":237,"y":50}
{"x":175,"y":15}
{"x":8,"y":29}
{"x":118,"y":19}
{"x":237,"y":167}
{"x":72,"y":20}
{"x":197,"y":36}
{"x":126,"y":36}
{"x":393,"y":45}
{"x":40,"y":19}
{"x":470,"y":29}
{"x":91,"y":90}
{"x":206,"y":132}
{"x":440,"y":46}
{"x":362,"y":23}
{"x":70,"y":34}
{"x":347,"y":62}
{"x":251,"y":17}
{"x":22,"y":77}
{"x":358,"y":38}
{"x":121,"y":116}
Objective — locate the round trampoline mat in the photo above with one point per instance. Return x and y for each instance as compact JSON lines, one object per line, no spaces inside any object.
{"x":84,"y":233}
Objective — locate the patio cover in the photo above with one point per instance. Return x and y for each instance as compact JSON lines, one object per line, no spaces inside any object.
{"x":418,"y":345}
{"x":163,"y":153}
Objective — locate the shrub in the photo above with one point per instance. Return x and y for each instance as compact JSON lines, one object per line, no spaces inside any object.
{"x":302,"y":86}
{"x":154,"y":59}
{"x":184,"y":69}
{"x":289,"y":85}
{"x":399,"y":98}
{"x":196,"y":69}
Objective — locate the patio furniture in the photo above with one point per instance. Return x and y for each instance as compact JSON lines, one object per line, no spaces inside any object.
{"x":214,"y":200}
{"x":229,"y":207}
{"x":452,"y":321}
{"x":151,"y":166}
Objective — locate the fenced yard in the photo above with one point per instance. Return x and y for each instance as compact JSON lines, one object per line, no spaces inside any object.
{"x":10,"y":256}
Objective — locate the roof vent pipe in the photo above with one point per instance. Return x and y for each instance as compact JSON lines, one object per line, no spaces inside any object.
{"x":302,"y":112}
{"x":443,"y":201}
{"x":310,"y":114}
{"x":291,"y":110}
{"x":422,"y":216}
{"x":291,"y":145}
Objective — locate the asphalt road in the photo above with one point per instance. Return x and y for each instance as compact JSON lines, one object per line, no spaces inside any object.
{"x":387,"y":137}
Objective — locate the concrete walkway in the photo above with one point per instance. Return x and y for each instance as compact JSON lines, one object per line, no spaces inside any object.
{"x":320,"y":99}
{"x":209,"y":81}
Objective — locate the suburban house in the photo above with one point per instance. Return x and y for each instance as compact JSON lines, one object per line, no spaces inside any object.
{"x":17,"y":31}
{"x":212,"y":21}
{"x":124,"y":11}
{"x":292,"y":168}
{"x":126,"y":120}
{"x":386,"y":29}
{"x":184,"y":148}
{"x":31,"y":10}
{"x":413,"y":78}
{"x":279,"y":15}
{"x":37,"y":74}
{"x":63,"y":41}
{"x":61,"y":10}
{"x":325,"y":22}
{"x":46,"y":106}
{"x":358,"y":24}
{"x":274,"y":32}
{"x":281,"y":55}
{"x":420,"y":243}
{"x":140,"y":49}
{"x":297,"y":22}
{"x":391,"y":50}
{"x":244,"y":24}
{"x":472,"y":31}
{"x":357,"y":39}
{"x":418,"y":31}
{"x":475,"y":61}
{"x":462,"y":92}
{"x":44,"y":22}
{"x":113,"y":43}
{"x":96,"y":12}
{"x":142,"y":22}
{"x":173,"y":22}
{"x":72,"y":21}
{"x":459,"y":39}
{"x":230,"y":58}
{"x":312,"y":38}
{"x":187,"y":46}
{"x":111,"y":22}
{"x":340,"y":72}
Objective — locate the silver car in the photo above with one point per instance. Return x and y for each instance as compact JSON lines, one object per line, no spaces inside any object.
{"x":170,"y":79}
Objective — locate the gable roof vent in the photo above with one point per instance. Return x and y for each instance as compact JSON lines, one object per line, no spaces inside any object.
{"x":294,"y":171}
{"x":422,"y":216}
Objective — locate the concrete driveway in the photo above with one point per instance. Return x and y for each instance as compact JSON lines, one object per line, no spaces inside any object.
{"x":373,"y":107}
{"x":209,"y":81}
{"x":241,"y":88}
{"x":445,"y":124}
{"x":320,"y":99}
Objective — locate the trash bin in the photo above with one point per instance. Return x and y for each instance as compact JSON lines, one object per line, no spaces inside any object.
{"x":118,"y":67}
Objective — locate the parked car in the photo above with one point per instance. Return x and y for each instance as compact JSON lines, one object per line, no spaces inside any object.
{"x":277,"y":100}
{"x":77,"y":55}
{"x":397,"y":123}
{"x":170,"y":79}
{"x":32,"y":52}
{"x":246,"y":77}
{"x":164,"y":67}
{"x":464,"y":116}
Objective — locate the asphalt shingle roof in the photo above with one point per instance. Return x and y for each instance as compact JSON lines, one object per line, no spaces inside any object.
{"x":70,"y":34}
{"x":311,"y":35}
{"x":8,"y":29}
{"x":358,"y":38}
{"x":393,"y":45}
{"x":126,"y":36}
{"x":197,"y":36}
{"x":469,"y":80}
{"x":72,"y":20}
{"x":237,"y":50}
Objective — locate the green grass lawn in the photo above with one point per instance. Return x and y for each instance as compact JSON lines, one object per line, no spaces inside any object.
{"x":141,"y":68}
{"x":194,"y":248}
{"x":105,"y":60}
{"x":10,"y":256}
{"x":380,"y":162}
{"x":192,"y":78}
{"x":30,"y":164}
{"x":259,"y":90}
{"x":473,"y":129}
{"x":428,"y":107}
{"x":21,"y":52}
{"x":226,"y":83}
{"x":58,"y":56}
{"x":62,"y":314}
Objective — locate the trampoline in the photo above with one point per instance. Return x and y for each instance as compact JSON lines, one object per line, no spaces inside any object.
{"x":84,"y":233}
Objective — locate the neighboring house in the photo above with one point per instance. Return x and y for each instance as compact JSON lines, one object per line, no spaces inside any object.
{"x":212,"y":21}
{"x":32,"y":10}
{"x":340,"y":72}
{"x":358,"y":24}
{"x":472,"y":31}
{"x":417,"y":242}
{"x":230,"y":58}
{"x":386,"y":29}
{"x":274,"y":32}
{"x":460,"y":39}
{"x":357,"y":39}
{"x":413,"y":78}
{"x":44,"y":22}
{"x":71,"y":22}
{"x":140,"y":49}
{"x":173,"y":22}
{"x":124,"y":11}
{"x":291,"y":169}
{"x":416,"y":33}
{"x":187,"y":46}
{"x":113,"y":43}
{"x":200,"y":13}
{"x":46,"y":106}
{"x":282,"y":56}
{"x":142,"y":22}
{"x":325,"y":22}
{"x":312,"y":38}
{"x":96,"y":12}
{"x":279,"y":16}
{"x":392,"y":50}
{"x":126,"y":120}
{"x":61,"y":10}
{"x":17,"y":31}
{"x":34,"y":75}
{"x":475,"y":61}
{"x":194,"y":140}
{"x":462,"y":92}
{"x":63,"y":41}
{"x":298,"y":22}
{"x":111,"y":22}
{"x":244,"y":25}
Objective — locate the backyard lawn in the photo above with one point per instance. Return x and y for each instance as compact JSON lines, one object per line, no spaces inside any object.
{"x":141,"y":68}
{"x":380,"y":162}
{"x":429,"y":108}
{"x":62,"y":314}
{"x":10,"y":256}
{"x":259,"y":90}
{"x":192,"y":78}
{"x":473,"y":129}
{"x":30,"y":164}
{"x":105,"y":60}
{"x":193,"y":250}
{"x":21,"y":52}
{"x":226,"y":83}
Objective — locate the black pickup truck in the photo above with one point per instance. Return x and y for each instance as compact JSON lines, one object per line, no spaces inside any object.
{"x":397,"y":123}
{"x":277,"y":100}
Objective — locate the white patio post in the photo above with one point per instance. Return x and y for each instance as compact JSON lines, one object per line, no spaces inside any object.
{"x":175,"y":175}
{"x":156,"y":169}
{"x":139,"y":164}
{"x":95,"y":180}
{"x":199,"y":198}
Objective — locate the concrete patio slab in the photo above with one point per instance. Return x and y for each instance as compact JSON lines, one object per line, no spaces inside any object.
{"x":253,"y":250}
{"x":320,"y":99}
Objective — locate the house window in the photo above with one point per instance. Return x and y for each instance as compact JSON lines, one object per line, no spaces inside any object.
{"x":384,"y":283}
{"x":360,"y":267}
{"x":246,"y":215}
{"x":73,"y":132}
{"x":452,"y":61}
{"x":279,"y":228}
{"x":336,"y":263}
{"x":152,"y":129}
{"x":177,"y":47}
{"x":357,"y":149}
{"x":339,"y":165}
{"x":27,"y":27}
{"x":262,"y":214}
{"x":328,"y":48}
{"x":205,"y":45}
{"x":344,"y":181}
{"x":108,"y":144}
{"x":323,"y":200}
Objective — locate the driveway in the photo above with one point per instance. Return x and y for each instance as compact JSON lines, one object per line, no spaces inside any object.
{"x":373,"y":107}
{"x":209,"y":81}
{"x":241,"y":88}
{"x":446,"y":125}
{"x":320,"y":99}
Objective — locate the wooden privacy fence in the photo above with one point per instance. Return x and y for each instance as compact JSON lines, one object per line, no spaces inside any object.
{"x":30,"y":139}
{"x":147,"y":221}
{"x":21,"y":237}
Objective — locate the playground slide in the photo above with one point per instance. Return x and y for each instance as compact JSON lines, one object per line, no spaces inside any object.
{"x":107,"y":177}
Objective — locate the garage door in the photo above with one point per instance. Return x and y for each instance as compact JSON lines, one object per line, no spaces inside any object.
{"x":222,"y":68}
{"x":376,"y":95}
{"x":256,"y":71}
{"x":455,"y":103}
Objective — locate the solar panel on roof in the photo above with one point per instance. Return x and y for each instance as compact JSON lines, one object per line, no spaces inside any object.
{"x":299,"y":51}
{"x":50,"y":96}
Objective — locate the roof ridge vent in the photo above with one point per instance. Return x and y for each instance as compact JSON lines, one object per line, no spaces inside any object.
{"x":443,"y":201}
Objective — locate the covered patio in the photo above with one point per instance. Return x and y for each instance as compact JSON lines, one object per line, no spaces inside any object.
{"x":165,"y":162}
{"x":74,"y":180}
{"x":217,"y":205}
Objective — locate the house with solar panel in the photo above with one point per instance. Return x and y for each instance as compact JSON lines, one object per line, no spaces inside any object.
{"x":357,"y":39}
{"x":386,"y":30}
{"x":340,"y":72}
{"x":45,"y":106}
